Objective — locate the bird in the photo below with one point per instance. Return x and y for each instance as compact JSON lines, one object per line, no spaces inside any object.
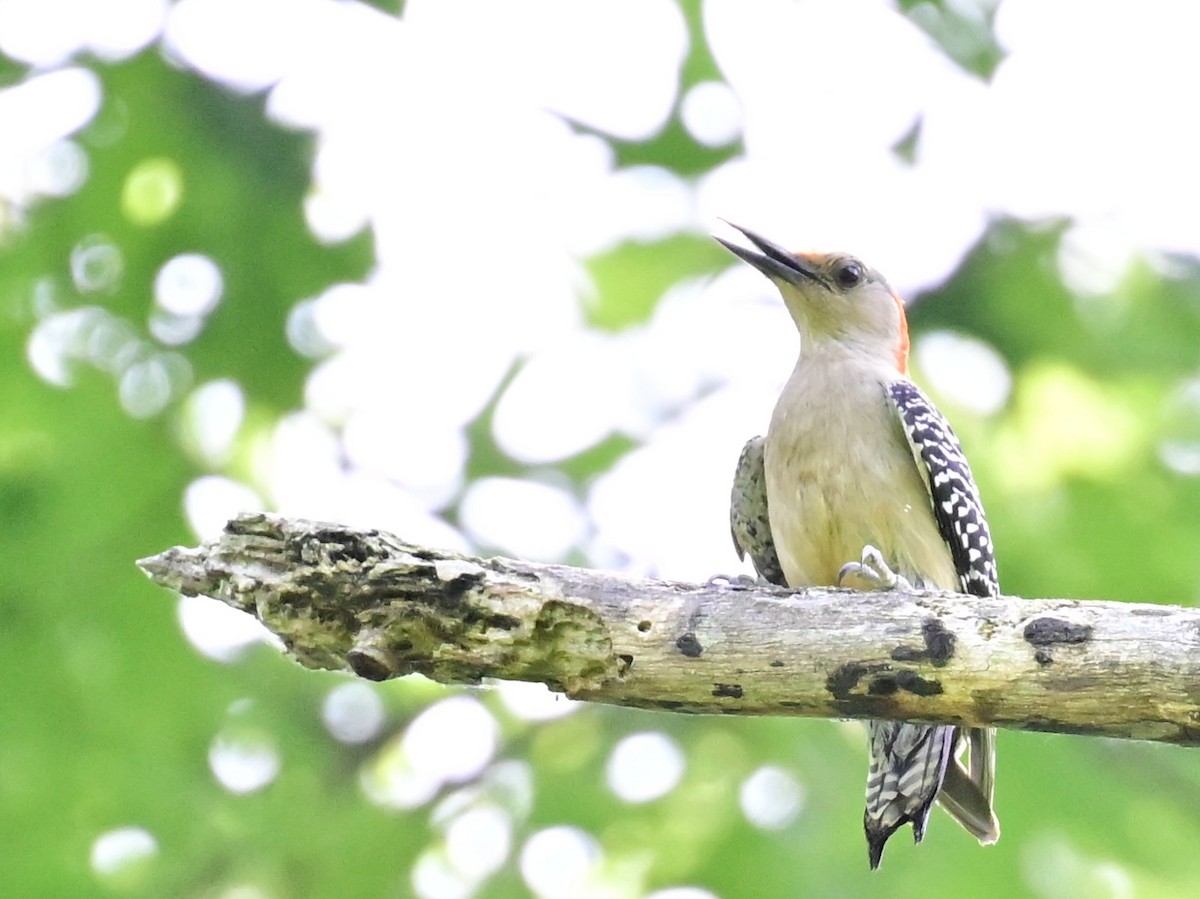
{"x":861,"y":482}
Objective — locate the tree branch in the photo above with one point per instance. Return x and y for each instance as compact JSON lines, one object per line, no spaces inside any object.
{"x":367,"y":602}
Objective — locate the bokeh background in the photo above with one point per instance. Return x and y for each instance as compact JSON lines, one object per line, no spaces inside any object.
{"x":443,"y":267}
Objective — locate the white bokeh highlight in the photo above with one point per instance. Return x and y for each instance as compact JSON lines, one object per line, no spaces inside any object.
{"x":146,"y":387}
{"x":209,"y":502}
{"x":558,"y":862}
{"x":712,"y":113}
{"x":116,"y":851}
{"x":58,"y":170}
{"x":564,"y":400}
{"x":771,"y":798}
{"x":36,"y":114}
{"x":1179,"y":443}
{"x":645,"y":766}
{"x":534,"y":702}
{"x":353,"y":713}
{"x":304,"y":474}
{"x":479,"y":840}
{"x":221,"y":632}
{"x":452,"y":739}
{"x":434,"y":877}
{"x":243,"y":891}
{"x":524,"y":518}
{"x":49,"y":32}
{"x":683,"y":893}
{"x":189,"y":284}
{"x":211,"y":417}
{"x":244,"y":760}
{"x":449,"y":742}
{"x":97,"y":264}
{"x":964,"y":370}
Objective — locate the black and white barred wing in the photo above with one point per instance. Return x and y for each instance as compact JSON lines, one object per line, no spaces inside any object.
{"x":966,"y":793}
{"x":956,"y":503}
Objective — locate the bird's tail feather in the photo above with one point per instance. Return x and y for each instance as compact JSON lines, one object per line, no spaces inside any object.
{"x":906,"y":768}
{"x":967,"y":794}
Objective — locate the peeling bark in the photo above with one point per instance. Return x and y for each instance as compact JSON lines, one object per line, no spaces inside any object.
{"x":366,"y":602}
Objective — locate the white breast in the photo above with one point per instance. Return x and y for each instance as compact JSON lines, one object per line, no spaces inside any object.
{"x":840,"y":475}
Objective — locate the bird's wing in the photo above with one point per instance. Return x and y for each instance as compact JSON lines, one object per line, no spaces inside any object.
{"x":952,"y":490}
{"x":965,"y":793}
{"x":748,"y":519}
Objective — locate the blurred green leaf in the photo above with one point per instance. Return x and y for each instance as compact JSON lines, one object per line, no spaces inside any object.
{"x":632,"y":277}
{"x":964,"y":31}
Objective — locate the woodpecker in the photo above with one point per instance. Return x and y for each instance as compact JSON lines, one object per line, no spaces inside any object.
{"x":858,"y":464}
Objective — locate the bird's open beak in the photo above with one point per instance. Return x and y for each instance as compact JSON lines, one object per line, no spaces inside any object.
{"x":774,"y":261}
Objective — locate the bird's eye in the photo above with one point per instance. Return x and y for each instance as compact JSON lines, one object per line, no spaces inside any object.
{"x":849,"y":274}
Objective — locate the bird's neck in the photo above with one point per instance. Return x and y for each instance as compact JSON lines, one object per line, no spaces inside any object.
{"x":837,"y":360}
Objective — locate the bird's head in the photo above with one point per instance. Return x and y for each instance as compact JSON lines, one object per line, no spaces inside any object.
{"x":833,"y":298}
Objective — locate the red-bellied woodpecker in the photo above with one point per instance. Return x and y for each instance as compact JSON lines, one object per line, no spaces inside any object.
{"x":857,"y":463}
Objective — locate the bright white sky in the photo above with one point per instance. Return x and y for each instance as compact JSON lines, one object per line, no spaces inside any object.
{"x":442,"y":131}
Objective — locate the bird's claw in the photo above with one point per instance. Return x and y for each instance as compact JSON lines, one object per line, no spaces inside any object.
{"x":871,"y":573}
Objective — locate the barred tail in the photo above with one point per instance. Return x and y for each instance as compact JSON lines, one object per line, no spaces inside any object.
{"x":907,"y":765}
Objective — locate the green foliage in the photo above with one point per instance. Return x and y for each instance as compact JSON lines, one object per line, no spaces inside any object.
{"x":109,"y":715}
{"x":962,"y":30}
{"x":629,"y":279}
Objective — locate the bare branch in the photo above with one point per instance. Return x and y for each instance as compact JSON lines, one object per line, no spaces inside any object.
{"x":367,"y":602}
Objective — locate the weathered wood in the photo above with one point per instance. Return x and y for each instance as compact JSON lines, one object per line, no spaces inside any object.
{"x":367,"y":602}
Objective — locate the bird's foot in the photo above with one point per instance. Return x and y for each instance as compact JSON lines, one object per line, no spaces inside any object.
{"x":734,"y":580}
{"x":871,"y":573}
